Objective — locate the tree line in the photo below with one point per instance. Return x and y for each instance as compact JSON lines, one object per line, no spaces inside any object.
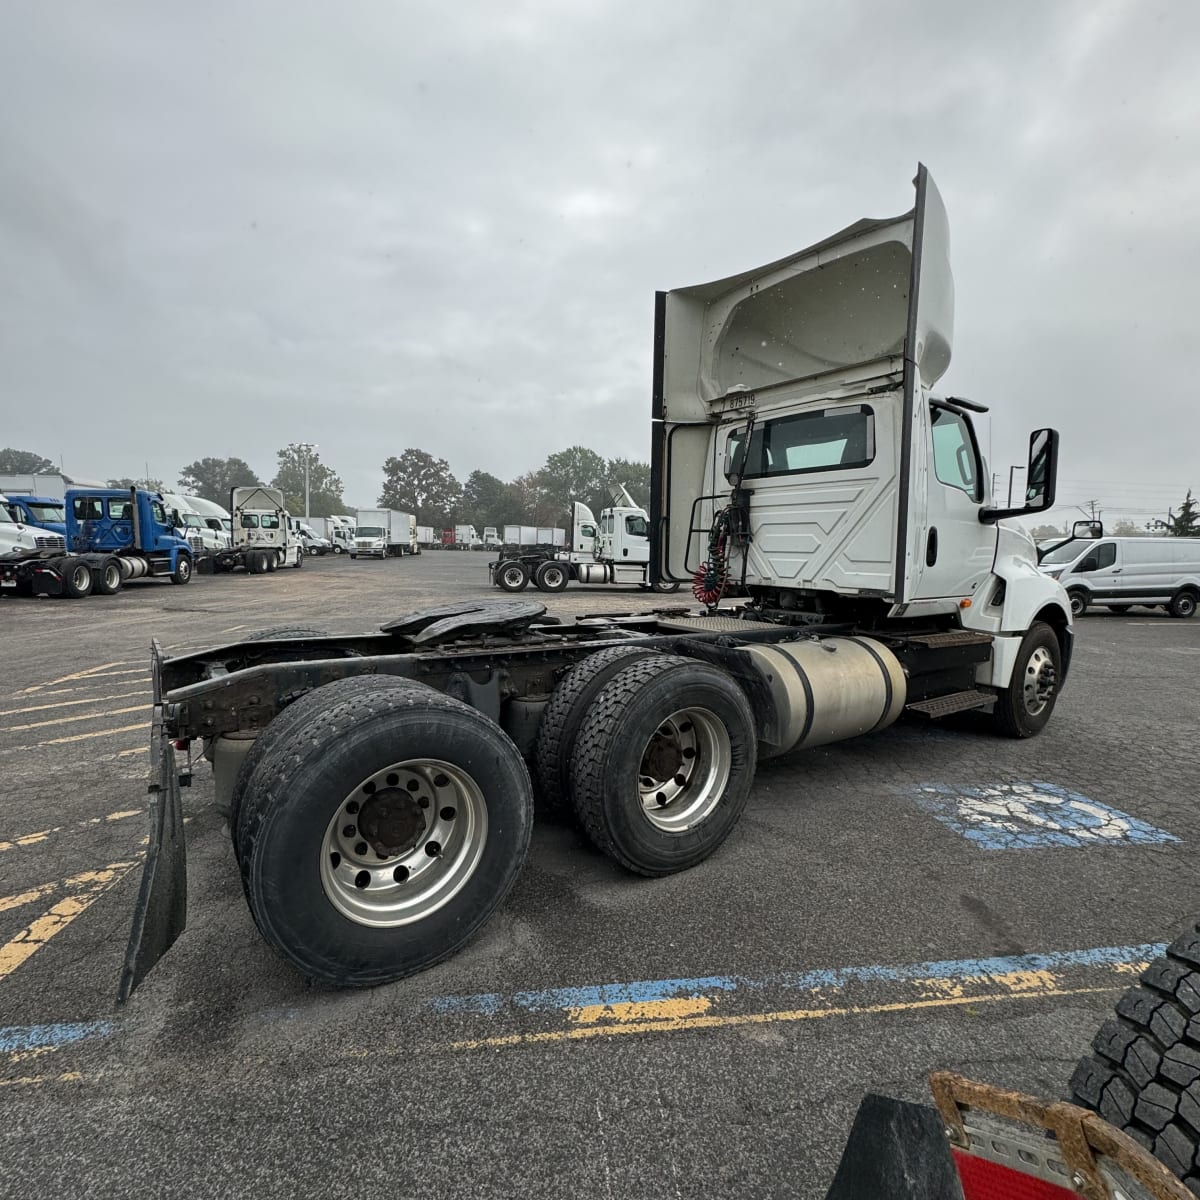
{"x":413,"y":481}
{"x":417,"y":482}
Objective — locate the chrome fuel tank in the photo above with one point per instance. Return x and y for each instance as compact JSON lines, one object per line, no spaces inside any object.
{"x":827,"y":689}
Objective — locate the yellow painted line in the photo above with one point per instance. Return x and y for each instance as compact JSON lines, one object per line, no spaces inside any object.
{"x":95,"y":716}
{"x":20,"y":899}
{"x":33,"y":839}
{"x":65,"y":1077}
{"x":91,"y":886}
{"x":12,"y":712}
{"x":733,"y":1020}
{"x":642,"y":1010}
{"x":90,"y":673}
{"x":83,"y":737}
{"x":139,"y":750}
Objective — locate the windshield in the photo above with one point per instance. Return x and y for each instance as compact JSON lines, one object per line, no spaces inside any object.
{"x":193,"y":522}
{"x":1063,"y":554}
{"x":9,"y":515}
{"x":369,"y":531}
{"x":47,"y":512}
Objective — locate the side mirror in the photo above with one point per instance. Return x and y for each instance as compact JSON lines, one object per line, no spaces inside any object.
{"x":1041,"y":478}
{"x":1087,"y":530}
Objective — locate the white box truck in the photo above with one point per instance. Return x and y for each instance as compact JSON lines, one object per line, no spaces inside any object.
{"x":384,"y":533}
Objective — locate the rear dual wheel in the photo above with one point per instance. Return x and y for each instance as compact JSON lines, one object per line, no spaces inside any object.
{"x":106,"y":581}
{"x":512,"y":576}
{"x":380,"y":831}
{"x":76,"y":577}
{"x":662,"y":763}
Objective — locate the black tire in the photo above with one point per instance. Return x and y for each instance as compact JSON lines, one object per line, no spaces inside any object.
{"x":1079,"y":601}
{"x":299,"y":793}
{"x":664,"y":588}
{"x":272,"y":560}
{"x":565,"y":713}
{"x":285,"y":722}
{"x":512,"y":576}
{"x":299,"y":561}
{"x":1119,"y":608}
{"x":256,"y":562}
{"x":551,"y":576}
{"x":1039,"y":661}
{"x":76,"y":577}
{"x":337,"y":549}
{"x":183,"y":570}
{"x":107,"y":580}
{"x":1143,"y":1074}
{"x":1183,"y":604}
{"x":614,"y":746}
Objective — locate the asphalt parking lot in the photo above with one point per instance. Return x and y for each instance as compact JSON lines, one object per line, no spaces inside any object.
{"x":927,"y":898}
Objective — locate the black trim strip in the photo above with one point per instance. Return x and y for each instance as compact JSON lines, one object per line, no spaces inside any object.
{"x":809,"y":714}
{"x":910,"y":386}
{"x":659,"y":539}
{"x":889,"y":693}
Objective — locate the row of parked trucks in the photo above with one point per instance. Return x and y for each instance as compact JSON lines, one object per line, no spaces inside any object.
{"x":98,"y":539}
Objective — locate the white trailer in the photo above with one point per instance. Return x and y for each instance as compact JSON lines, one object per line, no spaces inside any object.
{"x":426,"y":537}
{"x":466,"y":537}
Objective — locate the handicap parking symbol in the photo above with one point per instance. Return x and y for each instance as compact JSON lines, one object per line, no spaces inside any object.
{"x":1024,"y":816}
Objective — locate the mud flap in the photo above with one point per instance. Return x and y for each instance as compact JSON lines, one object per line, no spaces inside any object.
{"x":161,"y":912}
{"x":896,"y":1151}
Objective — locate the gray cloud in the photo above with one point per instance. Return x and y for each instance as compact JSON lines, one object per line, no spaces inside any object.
{"x":225,"y":227}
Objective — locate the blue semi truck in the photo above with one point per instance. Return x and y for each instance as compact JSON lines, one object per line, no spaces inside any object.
{"x":43,"y":512}
{"x":111,"y":535}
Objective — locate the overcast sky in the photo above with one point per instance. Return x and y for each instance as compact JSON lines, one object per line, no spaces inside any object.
{"x":230,"y":225}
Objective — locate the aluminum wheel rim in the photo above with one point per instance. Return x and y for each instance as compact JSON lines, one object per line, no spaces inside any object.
{"x":553,"y":577}
{"x":1040,"y":680}
{"x":81,"y":577}
{"x":513,"y":576}
{"x":384,"y":890}
{"x":112,"y":576}
{"x":1077,"y":606}
{"x":693,"y":744}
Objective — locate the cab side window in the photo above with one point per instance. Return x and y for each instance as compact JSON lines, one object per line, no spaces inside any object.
{"x":158,"y":512}
{"x":955,"y":459}
{"x":249,"y":521}
{"x":587,"y":531}
{"x":636,"y":527}
{"x":86,"y":508}
{"x":1102,"y":556}
{"x":118,"y":510}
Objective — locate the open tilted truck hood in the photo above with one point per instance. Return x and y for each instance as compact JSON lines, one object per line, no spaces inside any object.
{"x":850,"y":300}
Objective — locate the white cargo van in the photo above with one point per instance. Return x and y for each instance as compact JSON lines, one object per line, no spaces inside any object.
{"x":1120,"y":571}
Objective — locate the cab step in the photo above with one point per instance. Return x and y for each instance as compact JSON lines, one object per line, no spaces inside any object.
{"x":952,"y":637}
{"x":943,"y":706}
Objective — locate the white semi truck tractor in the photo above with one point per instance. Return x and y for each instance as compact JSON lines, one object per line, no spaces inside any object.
{"x":381,"y":785}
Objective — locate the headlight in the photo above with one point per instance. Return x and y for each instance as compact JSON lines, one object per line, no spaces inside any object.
{"x":1054,"y":574}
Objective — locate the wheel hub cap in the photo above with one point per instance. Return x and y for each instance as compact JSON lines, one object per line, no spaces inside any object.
{"x":1041,"y":678}
{"x":685,"y":769}
{"x":392,"y":822}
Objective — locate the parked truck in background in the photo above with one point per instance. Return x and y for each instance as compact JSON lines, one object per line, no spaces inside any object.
{"x":262,"y":539}
{"x":201,"y":536}
{"x":381,"y":805}
{"x":385,"y":533}
{"x":466,"y":537}
{"x":426,"y":538}
{"x":615,"y":549}
{"x":44,"y":512}
{"x":491,"y":538}
{"x":112,"y":535}
{"x":334,"y":532}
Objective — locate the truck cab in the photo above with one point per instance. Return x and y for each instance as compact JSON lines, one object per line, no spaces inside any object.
{"x":130,"y":523}
{"x":44,"y":512}
{"x":261,"y":522}
{"x":800,"y":449}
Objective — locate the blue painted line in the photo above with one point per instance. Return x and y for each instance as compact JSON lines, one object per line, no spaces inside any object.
{"x":35,"y":1037}
{"x":648,"y":990}
{"x":1033,"y":815}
